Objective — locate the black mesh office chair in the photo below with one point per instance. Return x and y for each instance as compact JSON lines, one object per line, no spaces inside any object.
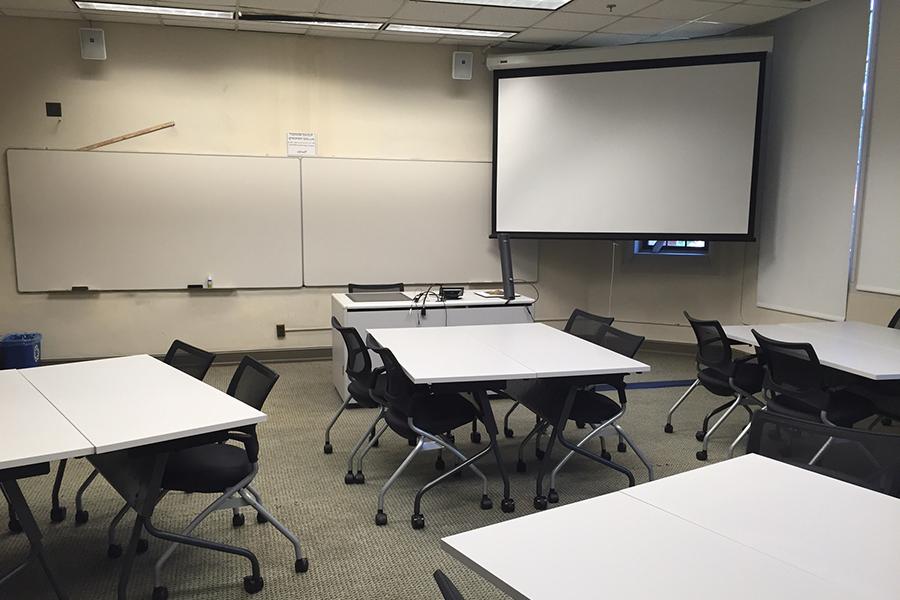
{"x":865,"y":458}
{"x":723,"y":375}
{"x":228,"y":471}
{"x":884,"y":395}
{"x":797,"y":385}
{"x":547,"y":399}
{"x":448,"y":590}
{"x":374,"y":287}
{"x":420,"y":415}
{"x":181,"y":355}
{"x":582,"y":324}
{"x":362,"y":380}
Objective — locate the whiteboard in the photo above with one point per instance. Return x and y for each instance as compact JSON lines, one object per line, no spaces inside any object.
{"x":137,"y":221}
{"x":370,"y":221}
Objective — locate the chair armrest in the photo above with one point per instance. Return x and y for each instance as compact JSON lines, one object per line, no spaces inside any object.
{"x":249,"y":441}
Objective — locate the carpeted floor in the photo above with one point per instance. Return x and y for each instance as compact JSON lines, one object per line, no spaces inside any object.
{"x":349,"y":556}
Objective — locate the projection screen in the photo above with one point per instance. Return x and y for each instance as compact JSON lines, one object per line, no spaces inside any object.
{"x":650,"y":149}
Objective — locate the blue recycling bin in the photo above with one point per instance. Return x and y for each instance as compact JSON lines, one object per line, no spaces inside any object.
{"x":20,"y":350}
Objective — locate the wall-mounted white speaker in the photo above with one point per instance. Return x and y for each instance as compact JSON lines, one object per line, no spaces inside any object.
{"x":93,"y":44}
{"x":462,"y":65}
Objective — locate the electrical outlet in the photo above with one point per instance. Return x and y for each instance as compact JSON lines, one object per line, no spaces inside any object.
{"x":279,"y":330}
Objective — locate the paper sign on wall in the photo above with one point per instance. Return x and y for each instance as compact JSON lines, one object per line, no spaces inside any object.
{"x":301,"y":144}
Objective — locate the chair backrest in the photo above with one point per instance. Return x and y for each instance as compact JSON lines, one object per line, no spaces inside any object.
{"x":713,"y":347}
{"x":189,"y":359}
{"x":359,"y":363}
{"x":895,"y":320}
{"x":586,"y":325}
{"x":793,"y":369}
{"x":252,"y":382}
{"x":374,"y":287}
{"x":448,"y":590}
{"x":865,"y":458}
{"x":399,"y":390}
{"x":621,"y":342}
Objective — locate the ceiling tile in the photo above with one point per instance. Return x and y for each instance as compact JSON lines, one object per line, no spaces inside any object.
{"x":548,"y":36}
{"x":121,"y":17}
{"x":641,"y":25}
{"x":508,"y":46}
{"x":222,"y":4}
{"x":506,"y":17}
{"x":39,"y":14}
{"x":696,"y":29}
{"x":601,"y":7}
{"x":576,"y":21}
{"x":681,"y":9}
{"x":284,"y":7}
{"x":435,"y":12}
{"x":592,"y":40}
{"x":361,"y":8}
{"x":746,"y":14}
{"x":786,"y":3}
{"x":48,"y":5}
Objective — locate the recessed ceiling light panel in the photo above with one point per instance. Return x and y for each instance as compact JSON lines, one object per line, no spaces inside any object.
{"x":454,"y":31}
{"x":167,"y":11}
{"x":539,"y":4}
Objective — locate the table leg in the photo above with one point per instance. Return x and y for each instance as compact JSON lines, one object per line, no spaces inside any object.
{"x":508,"y":504}
{"x":540,"y":500}
{"x":20,"y":506}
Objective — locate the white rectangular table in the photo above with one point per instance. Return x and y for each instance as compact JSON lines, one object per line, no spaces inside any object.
{"x":471,"y":309}
{"x":745,"y":528}
{"x":863,"y":349}
{"x":478,"y":358}
{"x":130,"y":412}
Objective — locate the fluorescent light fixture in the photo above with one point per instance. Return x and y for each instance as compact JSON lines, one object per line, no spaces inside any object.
{"x":455,"y":31}
{"x":167,"y":11}
{"x":539,"y":4}
{"x":345,"y":24}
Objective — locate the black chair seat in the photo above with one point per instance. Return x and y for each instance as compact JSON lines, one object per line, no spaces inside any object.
{"x":437,"y":413}
{"x":747,"y":376}
{"x":589,"y":406}
{"x":844,"y":410}
{"x":359,"y":391}
{"x":206,"y":469}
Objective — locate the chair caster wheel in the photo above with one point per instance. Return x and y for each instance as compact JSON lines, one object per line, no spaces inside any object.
{"x":253,"y":584}
{"x":579,"y":425}
{"x":605,"y":455}
{"x":475,"y":437}
{"x":668,"y":428}
{"x":261,"y":519}
{"x":328,"y":449}
{"x":539,"y":454}
{"x":410,"y":442}
{"x":237,"y":520}
{"x":81,"y":517}
{"x":14,"y":526}
{"x":451,"y":438}
{"x":439,"y":464}
{"x":375,"y":443}
{"x":114,"y":551}
{"x":58,"y":515}
{"x":540,"y":502}
{"x":508,"y":505}
{"x":160,"y":593}
{"x":418,"y":521}
{"x":301,"y":565}
{"x":552,"y":497}
{"x":887,"y":422}
{"x":621,"y":447}
{"x":142,"y":546}
{"x":486,"y":503}
{"x":521,"y":467}
{"x":507,"y":432}
{"x":359,"y":478}
{"x":701,"y":455}
{"x":700,"y":435}
{"x":380,"y":518}
{"x":349,"y":478}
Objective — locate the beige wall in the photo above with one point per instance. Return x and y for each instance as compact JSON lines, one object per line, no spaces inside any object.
{"x":239,"y":93}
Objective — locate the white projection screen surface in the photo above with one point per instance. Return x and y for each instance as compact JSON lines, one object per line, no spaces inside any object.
{"x":640,"y":150}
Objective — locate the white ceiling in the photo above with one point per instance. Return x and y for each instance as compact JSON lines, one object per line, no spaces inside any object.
{"x":579,"y":23}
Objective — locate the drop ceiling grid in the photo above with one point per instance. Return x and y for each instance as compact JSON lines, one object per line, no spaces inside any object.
{"x":579,"y":23}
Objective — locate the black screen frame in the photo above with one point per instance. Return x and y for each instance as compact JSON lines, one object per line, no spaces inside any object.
{"x":635,"y":65}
